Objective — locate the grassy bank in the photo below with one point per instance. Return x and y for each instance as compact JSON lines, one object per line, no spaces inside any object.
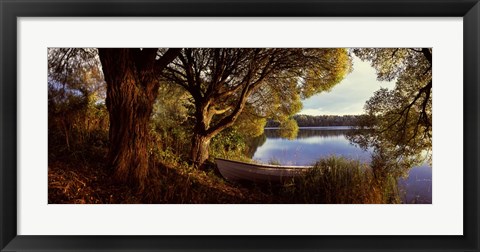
{"x":83,"y":178}
{"x":91,"y":183}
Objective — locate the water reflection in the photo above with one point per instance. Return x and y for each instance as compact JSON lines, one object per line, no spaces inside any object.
{"x":312,"y":144}
{"x":308,"y":132}
{"x":417,"y":188}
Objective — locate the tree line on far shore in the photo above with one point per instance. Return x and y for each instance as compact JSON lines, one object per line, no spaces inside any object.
{"x":321,"y":120}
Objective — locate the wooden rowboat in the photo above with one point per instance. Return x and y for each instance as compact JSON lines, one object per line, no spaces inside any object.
{"x":236,"y":171}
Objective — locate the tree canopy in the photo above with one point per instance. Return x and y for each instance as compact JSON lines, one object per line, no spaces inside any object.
{"x":399,"y":121}
{"x":269,"y":82}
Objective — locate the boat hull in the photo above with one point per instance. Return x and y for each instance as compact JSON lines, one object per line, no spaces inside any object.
{"x":239,"y":171}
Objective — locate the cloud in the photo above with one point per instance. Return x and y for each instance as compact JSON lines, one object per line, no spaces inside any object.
{"x":349,"y":96}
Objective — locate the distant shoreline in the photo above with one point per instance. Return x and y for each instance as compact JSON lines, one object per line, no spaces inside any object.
{"x":320,"y":127}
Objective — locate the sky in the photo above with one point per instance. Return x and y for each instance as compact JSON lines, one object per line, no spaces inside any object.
{"x":349,"y":96}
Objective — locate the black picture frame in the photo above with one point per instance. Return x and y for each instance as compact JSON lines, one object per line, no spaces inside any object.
{"x":10,"y":10}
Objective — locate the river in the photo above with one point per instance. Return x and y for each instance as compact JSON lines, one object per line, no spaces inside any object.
{"x":313,"y":143}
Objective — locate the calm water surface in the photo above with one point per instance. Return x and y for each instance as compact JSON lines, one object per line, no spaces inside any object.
{"x":314,"y":143}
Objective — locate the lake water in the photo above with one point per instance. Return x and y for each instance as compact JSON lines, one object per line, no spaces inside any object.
{"x":313,"y":143}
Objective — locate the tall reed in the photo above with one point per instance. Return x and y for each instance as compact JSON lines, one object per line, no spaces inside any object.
{"x":337,"y":180}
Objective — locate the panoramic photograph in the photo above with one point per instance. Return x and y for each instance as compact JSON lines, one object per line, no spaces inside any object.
{"x":239,"y":125}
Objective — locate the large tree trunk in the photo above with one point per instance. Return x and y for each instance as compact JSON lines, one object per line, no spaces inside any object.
{"x":131,"y":92}
{"x":200,"y":145}
{"x":200,"y":139}
{"x":203,"y":132}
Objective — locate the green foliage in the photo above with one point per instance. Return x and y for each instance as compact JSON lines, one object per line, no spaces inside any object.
{"x":324,"y":74}
{"x":398,"y":122}
{"x":278,"y":99}
{"x":288,"y":129}
{"x":229,"y":144}
{"x":249,"y":124}
{"x":171,"y":130}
